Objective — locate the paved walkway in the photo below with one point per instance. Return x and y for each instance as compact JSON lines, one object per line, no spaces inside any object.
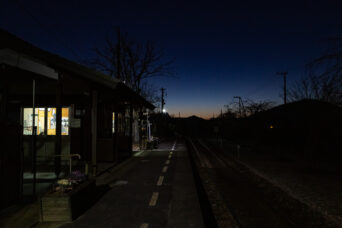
{"x":154,"y":189}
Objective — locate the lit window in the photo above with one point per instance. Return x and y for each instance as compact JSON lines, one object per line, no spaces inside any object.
{"x":51,"y":121}
{"x":65,"y":121}
{"x":39,"y":121}
{"x":51,"y":118}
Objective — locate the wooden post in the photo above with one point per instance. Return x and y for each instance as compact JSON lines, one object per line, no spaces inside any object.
{"x":33,"y":143}
{"x":58,"y":138}
{"x":116,"y":138}
{"x":131,"y":127}
{"x":93,"y":131}
{"x":141,"y":116}
{"x":3,"y":135}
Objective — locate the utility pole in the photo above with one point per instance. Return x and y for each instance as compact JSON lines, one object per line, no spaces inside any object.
{"x":240,"y":105}
{"x":284,"y":74}
{"x":162,"y":99}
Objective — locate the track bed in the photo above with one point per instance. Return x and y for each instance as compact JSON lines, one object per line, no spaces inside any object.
{"x":230,"y":187}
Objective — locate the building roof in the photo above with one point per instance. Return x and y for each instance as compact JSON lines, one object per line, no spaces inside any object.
{"x":10,"y":41}
{"x":303,"y":111}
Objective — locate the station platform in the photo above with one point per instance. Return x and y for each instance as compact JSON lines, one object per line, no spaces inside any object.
{"x":153,"y":189}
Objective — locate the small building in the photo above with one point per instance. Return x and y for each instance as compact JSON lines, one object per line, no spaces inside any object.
{"x":77,"y":112}
{"x":307,"y":128}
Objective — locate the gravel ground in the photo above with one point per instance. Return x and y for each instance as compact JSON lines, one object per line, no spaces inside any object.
{"x":321,"y":192}
{"x":320,"y":189}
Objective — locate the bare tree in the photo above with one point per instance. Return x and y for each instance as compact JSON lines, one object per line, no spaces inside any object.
{"x":237,"y":106}
{"x":133,"y":62}
{"x":230,"y":112}
{"x":249,"y":107}
{"x":150,"y":92}
{"x":324,"y":77}
{"x":301,"y":89}
{"x":253,"y":107}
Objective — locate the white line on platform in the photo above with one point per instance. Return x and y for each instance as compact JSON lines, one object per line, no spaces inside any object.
{"x":174,"y":145}
{"x":165,"y":169}
{"x":144,"y":225}
{"x":154,"y":199}
{"x":160,"y":181}
{"x":167,"y":162}
{"x":138,"y":153}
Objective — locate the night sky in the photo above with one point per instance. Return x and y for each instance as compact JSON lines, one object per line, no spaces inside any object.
{"x":221,"y":48}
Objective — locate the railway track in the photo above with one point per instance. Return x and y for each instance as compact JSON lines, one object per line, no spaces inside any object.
{"x":235,"y":200}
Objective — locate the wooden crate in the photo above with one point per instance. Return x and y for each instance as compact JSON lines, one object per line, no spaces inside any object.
{"x":65,"y":207}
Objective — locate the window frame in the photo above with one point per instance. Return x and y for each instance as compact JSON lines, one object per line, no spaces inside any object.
{"x":45,"y":120}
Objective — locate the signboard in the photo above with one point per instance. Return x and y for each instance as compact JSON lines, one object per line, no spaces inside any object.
{"x":75,"y":123}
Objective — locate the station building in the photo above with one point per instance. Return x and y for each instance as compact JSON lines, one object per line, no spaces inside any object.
{"x":79,"y":115}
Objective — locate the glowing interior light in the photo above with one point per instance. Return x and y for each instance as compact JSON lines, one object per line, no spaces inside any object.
{"x":271,"y":127}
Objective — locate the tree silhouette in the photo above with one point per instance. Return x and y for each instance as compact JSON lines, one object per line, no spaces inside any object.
{"x":324,"y":77}
{"x":133,"y":62}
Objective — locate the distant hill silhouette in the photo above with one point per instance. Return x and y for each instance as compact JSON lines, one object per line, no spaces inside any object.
{"x":193,"y":117}
{"x":302,"y":127}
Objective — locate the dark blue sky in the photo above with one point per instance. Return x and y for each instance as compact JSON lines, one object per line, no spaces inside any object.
{"x":221,"y":48}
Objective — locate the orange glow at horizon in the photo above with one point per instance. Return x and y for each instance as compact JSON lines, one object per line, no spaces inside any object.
{"x":203,"y":115}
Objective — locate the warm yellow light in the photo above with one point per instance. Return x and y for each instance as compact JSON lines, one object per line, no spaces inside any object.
{"x":271,"y":127}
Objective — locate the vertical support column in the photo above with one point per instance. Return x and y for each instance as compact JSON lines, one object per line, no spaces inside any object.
{"x":3,"y":135}
{"x":33,"y":142}
{"x":140,"y":123}
{"x":58,"y":138}
{"x":148,"y":126}
{"x":116,"y":138}
{"x":131,"y":127}
{"x":93,"y":131}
